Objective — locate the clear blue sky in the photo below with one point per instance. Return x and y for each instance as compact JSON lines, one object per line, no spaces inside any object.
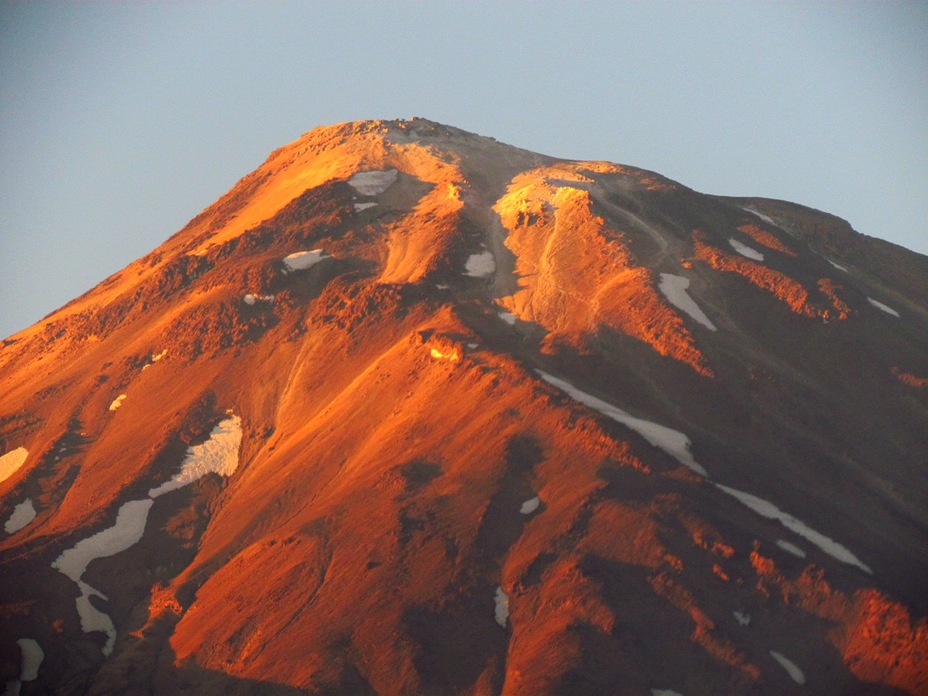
{"x":121,"y":121}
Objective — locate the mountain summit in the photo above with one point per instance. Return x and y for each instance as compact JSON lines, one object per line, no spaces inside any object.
{"x":411,"y":411}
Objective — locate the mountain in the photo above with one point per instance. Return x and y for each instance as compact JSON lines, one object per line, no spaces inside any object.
{"x":411,"y":411}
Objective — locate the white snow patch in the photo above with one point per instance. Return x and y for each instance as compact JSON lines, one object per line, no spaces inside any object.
{"x":128,"y":530}
{"x":665,"y":692}
{"x":155,"y":357}
{"x":673,"y":442}
{"x":301,"y":260}
{"x":358,"y":207}
{"x":219,"y":454}
{"x":92,"y":619}
{"x":837,"y":265}
{"x":250,"y":299}
{"x":480,"y":265}
{"x":11,"y":461}
{"x":374,"y":182}
{"x":885,"y":308}
{"x":441,"y":286}
{"x":501,"y":611}
{"x":32,"y":656}
{"x":745,"y":250}
{"x":759,"y":214}
{"x":765,"y":508}
{"x":742,"y":617}
{"x":117,"y":402}
{"x":473,"y":346}
{"x":22,"y":515}
{"x":129,"y":527}
{"x":791,"y":669}
{"x":507,"y":317}
{"x":674,"y":289}
{"x":530,"y":505}
{"x":791,"y":548}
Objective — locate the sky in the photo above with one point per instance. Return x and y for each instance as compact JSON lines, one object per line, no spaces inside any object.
{"x":119,"y":122}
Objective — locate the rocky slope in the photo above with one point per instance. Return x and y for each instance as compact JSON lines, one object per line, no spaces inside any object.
{"x":410,"y":411}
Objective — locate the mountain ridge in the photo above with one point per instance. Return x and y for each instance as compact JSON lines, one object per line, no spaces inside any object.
{"x":421,"y":332}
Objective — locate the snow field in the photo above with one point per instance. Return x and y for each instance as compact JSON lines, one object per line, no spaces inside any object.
{"x":31,"y":656}
{"x":250,"y":299}
{"x":677,"y":445}
{"x":673,"y":442}
{"x":117,"y":402}
{"x":22,"y":515}
{"x":791,"y":548}
{"x":507,"y":317}
{"x":530,"y":505}
{"x":358,"y":207}
{"x":885,"y":308}
{"x":745,"y":250}
{"x":302,"y":260}
{"x":791,"y":669}
{"x":674,"y":289}
{"x":759,"y":214}
{"x":11,"y":461}
{"x":480,"y":265}
{"x":501,"y":611}
{"x":374,"y":182}
{"x":219,"y":454}
{"x":765,"y":508}
{"x":838,"y":266}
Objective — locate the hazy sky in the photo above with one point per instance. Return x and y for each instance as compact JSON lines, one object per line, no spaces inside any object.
{"x":121,"y":121}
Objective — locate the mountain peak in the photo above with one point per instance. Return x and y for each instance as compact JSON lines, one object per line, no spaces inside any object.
{"x":411,"y":411}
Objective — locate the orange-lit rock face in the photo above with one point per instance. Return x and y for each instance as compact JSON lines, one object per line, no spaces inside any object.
{"x":575,"y":275}
{"x":781,"y":286}
{"x":766,"y":238}
{"x":875,"y":635}
{"x":414,"y":509}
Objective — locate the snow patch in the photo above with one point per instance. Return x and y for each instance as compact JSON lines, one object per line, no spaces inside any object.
{"x":117,"y":402}
{"x":837,"y":265}
{"x":128,"y":530}
{"x":674,"y":289}
{"x":791,"y":548}
{"x":765,"y":508}
{"x":32,"y":656}
{"x":745,"y":250}
{"x":530,"y":505}
{"x":22,"y":515}
{"x":219,"y":454}
{"x":374,"y":182}
{"x":358,"y":207}
{"x":791,"y":669}
{"x":759,"y":214}
{"x":742,"y":617}
{"x":885,"y":308}
{"x":155,"y":357}
{"x":11,"y":461}
{"x":301,"y":260}
{"x":507,"y":317}
{"x":480,"y":265}
{"x":673,"y":442}
{"x":665,"y":692}
{"x":250,"y":299}
{"x":501,"y":611}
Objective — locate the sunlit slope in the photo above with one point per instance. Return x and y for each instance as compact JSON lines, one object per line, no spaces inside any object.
{"x":413,"y":411}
